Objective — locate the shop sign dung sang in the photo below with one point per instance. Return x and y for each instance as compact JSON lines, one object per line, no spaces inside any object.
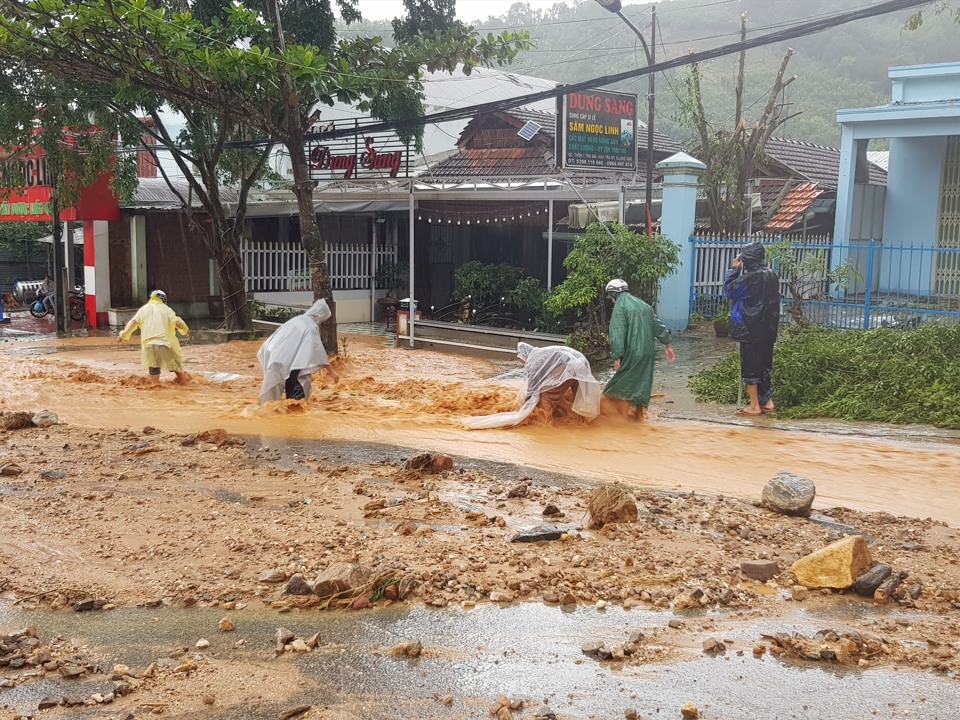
{"x":376,"y":157}
{"x":598,"y":130}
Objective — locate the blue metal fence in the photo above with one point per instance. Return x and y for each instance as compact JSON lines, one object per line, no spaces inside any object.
{"x":886,"y":285}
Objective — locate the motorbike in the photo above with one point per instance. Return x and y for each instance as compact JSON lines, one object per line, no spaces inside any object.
{"x":76,"y":304}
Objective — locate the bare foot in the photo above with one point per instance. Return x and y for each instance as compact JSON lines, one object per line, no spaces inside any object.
{"x":748,"y":412}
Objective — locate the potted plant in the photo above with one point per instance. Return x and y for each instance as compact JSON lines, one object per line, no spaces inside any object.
{"x":721,"y":319}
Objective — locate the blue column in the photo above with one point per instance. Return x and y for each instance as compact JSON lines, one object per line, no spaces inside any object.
{"x":680,"y":175}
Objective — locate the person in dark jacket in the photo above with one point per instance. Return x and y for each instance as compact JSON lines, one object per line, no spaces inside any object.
{"x":754,"y":289}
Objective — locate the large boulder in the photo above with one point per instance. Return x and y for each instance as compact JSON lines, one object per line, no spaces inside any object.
{"x":789,"y":494}
{"x":340,"y":577}
{"x":838,"y":565}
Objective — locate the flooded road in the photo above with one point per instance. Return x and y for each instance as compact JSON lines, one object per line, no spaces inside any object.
{"x":416,"y":400}
{"x":530,"y":652}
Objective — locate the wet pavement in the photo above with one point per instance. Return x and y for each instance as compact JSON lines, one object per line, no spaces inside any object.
{"x":526,"y":651}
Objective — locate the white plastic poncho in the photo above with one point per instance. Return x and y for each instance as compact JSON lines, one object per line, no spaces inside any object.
{"x":547,"y":368}
{"x":295,"y":345}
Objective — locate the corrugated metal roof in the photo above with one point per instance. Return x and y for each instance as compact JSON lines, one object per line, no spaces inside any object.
{"x":794,"y":205}
{"x":496,"y":162}
{"x":880,"y":158}
{"x":155,"y":194}
{"x":443,"y":91}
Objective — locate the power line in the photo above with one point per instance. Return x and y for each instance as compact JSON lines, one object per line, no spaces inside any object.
{"x":800,"y":30}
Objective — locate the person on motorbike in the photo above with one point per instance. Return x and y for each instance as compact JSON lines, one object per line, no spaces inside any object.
{"x":48,"y":289}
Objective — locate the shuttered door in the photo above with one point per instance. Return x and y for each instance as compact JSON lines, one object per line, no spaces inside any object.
{"x":947,"y":280}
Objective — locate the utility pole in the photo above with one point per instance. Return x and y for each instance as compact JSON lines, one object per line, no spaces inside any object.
{"x":616,"y":8}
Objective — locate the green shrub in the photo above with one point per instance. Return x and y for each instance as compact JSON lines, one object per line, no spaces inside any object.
{"x":881,"y":375}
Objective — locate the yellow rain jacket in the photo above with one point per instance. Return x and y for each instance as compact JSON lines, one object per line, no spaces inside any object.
{"x":158,"y":325}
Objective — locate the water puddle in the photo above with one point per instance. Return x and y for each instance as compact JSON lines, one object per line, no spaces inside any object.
{"x":528,"y":651}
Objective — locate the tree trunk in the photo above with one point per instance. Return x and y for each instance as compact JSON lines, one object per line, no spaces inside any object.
{"x":236,"y":309}
{"x":313,"y":243}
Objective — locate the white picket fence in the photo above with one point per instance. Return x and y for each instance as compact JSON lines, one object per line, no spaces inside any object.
{"x":283,"y":266}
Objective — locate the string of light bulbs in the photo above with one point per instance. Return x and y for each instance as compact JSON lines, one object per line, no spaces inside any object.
{"x":528,"y":213}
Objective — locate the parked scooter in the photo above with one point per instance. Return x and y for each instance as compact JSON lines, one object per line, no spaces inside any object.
{"x":77,"y":305}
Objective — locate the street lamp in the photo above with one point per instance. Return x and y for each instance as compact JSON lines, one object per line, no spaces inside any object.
{"x":616,"y":8}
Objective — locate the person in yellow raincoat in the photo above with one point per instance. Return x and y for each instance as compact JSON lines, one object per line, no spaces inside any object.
{"x":160,"y":347}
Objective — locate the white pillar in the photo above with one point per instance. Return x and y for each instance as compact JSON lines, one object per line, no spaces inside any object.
{"x":138,"y":258}
{"x":373,"y":270}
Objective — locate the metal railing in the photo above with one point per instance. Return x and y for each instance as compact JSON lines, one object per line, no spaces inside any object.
{"x":884,"y":285}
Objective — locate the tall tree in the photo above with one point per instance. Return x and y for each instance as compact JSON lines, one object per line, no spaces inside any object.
{"x":731,"y":155}
{"x":242,"y":69}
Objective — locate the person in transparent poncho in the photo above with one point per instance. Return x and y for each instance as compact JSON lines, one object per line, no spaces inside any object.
{"x":559,"y":380}
{"x":291,"y":355}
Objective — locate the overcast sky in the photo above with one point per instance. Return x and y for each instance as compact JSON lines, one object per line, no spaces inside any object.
{"x":467,"y":10}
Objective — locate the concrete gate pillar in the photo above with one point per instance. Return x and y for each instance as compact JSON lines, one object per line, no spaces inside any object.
{"x":680,"y":180}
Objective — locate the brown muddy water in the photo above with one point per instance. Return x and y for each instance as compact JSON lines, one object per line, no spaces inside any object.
{"x":528,"y":651}
{"x":416,"y":399}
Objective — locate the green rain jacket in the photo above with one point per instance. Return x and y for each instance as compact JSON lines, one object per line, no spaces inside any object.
{"x":633,"y":327}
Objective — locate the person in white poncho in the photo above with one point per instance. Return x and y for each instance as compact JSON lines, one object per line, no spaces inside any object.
{"x":291,"y":355}
{"x":559,"y":380}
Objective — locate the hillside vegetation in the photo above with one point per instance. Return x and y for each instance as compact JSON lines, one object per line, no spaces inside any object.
{"x":844,"y":67}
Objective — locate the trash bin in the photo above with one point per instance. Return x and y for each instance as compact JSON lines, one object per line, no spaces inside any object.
{"x":403,"y":316}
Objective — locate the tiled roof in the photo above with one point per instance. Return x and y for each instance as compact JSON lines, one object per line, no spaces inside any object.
{"x":816,"y":163}
{"x":794,"y":205}
{"x":496,"y":162}
{"x":548,"y":120}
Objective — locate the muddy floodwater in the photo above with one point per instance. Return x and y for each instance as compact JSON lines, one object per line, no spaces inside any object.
{"x":416,"y":399}
{"x":530,"y":652}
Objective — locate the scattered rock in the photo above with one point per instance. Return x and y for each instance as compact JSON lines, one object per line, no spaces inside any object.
{"x":868,"y":583}
{"x":45,"y":418}
{"x":16,"y":420}
{"x":419,"y":461}
{"x":789,"y":494}
{"x":227,"y":625}
{"x":202,"y":644}
{"x":689,"y":711}
{"x":283,"y":638}
{"x":538,"y":534}
{"x":53,"y":474}
{"x":518,"y":491}
{"x":441,"y":463}
{"x":297,"y":586}
{"x":888,"y":586}
{"x":611,"y":504}
{"x":10,"y":470}
{"x":550,"y":509}
{"x":799,"y":593}
{"x":760,"y":570}
{"x":712,"y":646}
{"x":273,"y":576}
{"x":340,"y":577}
{"x":838,"y":565}
{"x":84,"y":605}
{"x":837,"y":528}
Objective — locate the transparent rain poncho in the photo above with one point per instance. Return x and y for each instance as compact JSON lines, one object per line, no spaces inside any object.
{"x":547,"y":368}
{"x":295,"y":345}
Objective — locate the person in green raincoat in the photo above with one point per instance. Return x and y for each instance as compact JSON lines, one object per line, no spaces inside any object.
{"x":633,"y":328}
